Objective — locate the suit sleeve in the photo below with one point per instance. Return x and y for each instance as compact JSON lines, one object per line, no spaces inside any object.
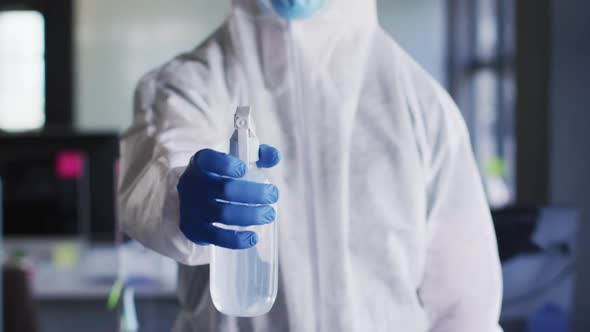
{"x":462,"y":288}
{"x":169,"y":126}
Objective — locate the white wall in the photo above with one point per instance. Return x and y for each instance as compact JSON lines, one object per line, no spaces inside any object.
{"x":420,"y":27}
{"x":117,"y":41}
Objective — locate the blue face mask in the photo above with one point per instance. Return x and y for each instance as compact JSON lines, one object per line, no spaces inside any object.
{"x":294,"y":9}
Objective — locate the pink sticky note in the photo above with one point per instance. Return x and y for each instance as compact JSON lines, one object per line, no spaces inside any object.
{"x":69,"y":165}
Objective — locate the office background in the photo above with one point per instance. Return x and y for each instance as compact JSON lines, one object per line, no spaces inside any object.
{"x":519,"y":70}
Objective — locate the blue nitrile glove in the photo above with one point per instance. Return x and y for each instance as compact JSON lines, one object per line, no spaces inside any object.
{"x":212,"y":176}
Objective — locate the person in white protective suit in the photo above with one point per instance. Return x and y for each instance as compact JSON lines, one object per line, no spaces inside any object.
{"x":383,"y":221}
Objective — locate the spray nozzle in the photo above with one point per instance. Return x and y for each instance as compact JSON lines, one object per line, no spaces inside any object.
{"x":244,"y":143}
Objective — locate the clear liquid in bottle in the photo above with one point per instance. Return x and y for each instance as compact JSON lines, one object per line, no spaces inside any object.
{"x":243,"y":283}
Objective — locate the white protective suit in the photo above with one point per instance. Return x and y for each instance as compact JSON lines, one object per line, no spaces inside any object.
{"x":383,"y":222}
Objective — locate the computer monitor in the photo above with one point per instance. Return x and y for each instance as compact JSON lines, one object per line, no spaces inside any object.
{"x":59,"y":184}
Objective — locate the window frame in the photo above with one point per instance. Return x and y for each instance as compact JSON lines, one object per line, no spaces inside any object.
{"x":464,"y":63}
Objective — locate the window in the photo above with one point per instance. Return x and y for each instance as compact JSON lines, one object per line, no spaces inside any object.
{"x":481,"y":72}
{"x":36,"y":65}
{"x":22,"y":70}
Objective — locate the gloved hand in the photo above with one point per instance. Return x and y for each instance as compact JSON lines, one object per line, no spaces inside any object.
{"x":212,"y":176}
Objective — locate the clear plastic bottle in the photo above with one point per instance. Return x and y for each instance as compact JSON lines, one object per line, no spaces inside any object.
{"x":244,"y":283}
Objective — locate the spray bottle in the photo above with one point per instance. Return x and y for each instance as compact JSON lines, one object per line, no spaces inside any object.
{"x":243,"y":283}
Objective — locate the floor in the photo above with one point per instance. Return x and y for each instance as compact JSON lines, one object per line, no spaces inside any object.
{"x":93,"y":316}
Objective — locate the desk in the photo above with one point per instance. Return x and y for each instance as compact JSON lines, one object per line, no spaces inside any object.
{"x":94,"y":269}
{"x":75,"y":291}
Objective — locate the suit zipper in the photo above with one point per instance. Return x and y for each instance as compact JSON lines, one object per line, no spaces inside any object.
{"x":303,"y":138}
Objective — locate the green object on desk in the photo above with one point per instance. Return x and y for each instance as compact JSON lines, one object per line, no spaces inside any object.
{"x":496,"y":167}
{"x":115,"y":295}
{"x":66,"y":254}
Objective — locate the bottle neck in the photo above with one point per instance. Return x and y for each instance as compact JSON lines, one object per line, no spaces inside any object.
{"x":255,"y":174}
{"x":252,"y":166}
